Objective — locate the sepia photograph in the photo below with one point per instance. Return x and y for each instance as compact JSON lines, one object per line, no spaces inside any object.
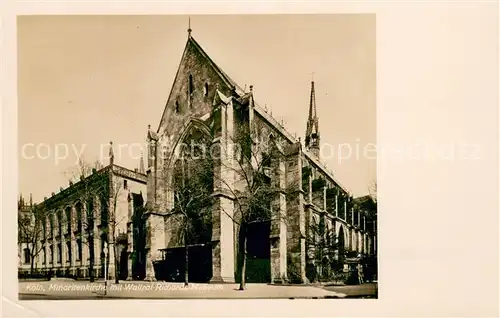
{"x":197,"y":157}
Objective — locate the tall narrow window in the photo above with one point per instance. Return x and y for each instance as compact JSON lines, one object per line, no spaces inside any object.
{"x":205,"y":89}
{"x":51,"y":224}
{"x":26,"y":255}
{"x":60,"y":222}
{"x":191,"y":85}
{"x":51,"y":253}
{"x":190,"y":91}
{"x":79,"y":249}
{"x":68,"y":218}
{"x":78,"y":217}
{"x":68,"y":248}
{"x":59,"y":253}
{"x":177,"y":106}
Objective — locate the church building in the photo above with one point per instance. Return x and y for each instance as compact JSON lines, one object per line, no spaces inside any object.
{"x":204,"y":101}
{"x":314,"y":227}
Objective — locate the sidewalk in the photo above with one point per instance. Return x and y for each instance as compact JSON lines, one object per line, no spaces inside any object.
{"x":366,"y":290}
{"x":164,"y":290}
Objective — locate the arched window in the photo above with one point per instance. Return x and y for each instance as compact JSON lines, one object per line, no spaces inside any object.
{"x":192,"y":166}
{"x":177,"y":106}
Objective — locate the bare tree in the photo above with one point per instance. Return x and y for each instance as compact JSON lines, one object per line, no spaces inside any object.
{"x":31,"y":230}
{"x":91,"y":185}
{"x":323,"y":241}
{"x":104,"y":186}
{"x":115,"y":191}
{"x":193,"y":186}
{"x":254,"y":185}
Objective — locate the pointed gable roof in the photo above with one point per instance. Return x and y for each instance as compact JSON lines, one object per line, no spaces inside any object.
{"x":244,"y":98}
{"x":192,"y":44}
{"x":223,"y":75}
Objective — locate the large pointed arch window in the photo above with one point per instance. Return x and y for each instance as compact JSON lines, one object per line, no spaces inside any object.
{"x":192,"y":186}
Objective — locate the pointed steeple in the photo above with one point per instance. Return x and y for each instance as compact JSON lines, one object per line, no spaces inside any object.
{"x":312,"y":130}
{"x":141,"y":165}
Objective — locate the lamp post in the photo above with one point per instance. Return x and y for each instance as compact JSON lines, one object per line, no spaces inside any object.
{"x":105,"y":250}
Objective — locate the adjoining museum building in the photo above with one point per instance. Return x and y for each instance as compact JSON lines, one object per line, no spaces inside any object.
{"x":104,"y":207}
{"x":204,"y":101}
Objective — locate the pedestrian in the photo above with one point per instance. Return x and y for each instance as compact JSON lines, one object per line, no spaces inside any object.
{"x":360,"y":273}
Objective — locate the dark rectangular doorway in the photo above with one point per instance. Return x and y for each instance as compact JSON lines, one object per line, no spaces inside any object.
{"x":199,"y":264}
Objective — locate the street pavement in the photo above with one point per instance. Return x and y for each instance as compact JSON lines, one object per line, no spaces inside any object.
{"x":366,"y":290}
{"x":68,"y":289}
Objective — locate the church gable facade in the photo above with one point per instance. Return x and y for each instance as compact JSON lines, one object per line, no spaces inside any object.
{"x":308,"y":208}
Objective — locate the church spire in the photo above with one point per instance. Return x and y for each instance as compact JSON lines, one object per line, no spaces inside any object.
{"x":312,"y":130}
{"x":189,"y":27}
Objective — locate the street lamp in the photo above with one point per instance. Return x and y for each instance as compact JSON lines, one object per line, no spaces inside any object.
{"x":105,"y":250}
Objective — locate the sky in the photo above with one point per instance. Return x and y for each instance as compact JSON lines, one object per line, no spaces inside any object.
{"x":86,"y":80}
